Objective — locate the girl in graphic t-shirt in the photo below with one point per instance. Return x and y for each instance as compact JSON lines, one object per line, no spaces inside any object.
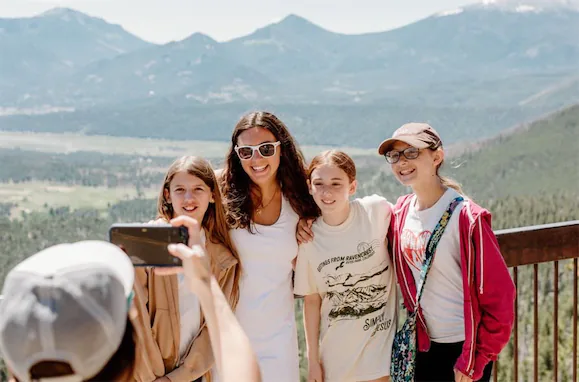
{"x":467,"y":307}
{"x":347,"y":278}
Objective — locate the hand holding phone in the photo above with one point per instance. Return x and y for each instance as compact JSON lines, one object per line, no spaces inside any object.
{"x":146,"y":244}
{"x":194,"y":258}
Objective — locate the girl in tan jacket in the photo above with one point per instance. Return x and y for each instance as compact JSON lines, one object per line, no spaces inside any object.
{"x":175,"y":345}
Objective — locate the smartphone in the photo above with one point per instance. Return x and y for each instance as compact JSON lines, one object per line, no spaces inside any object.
{"x":146,"y":244}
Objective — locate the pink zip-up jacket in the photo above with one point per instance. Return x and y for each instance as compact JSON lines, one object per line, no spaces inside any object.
{"x":489,"y":291}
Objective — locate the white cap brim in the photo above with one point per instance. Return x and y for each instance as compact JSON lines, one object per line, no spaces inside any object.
{"x":82,"y":255}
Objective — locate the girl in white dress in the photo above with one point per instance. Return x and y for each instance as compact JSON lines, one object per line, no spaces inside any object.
{"x":265,"y":193}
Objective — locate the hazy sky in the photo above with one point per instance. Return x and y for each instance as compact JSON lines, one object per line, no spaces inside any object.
{"x":165,"y":20}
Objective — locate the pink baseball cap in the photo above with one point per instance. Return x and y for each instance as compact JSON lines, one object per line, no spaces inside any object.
{"x":419,"y":135}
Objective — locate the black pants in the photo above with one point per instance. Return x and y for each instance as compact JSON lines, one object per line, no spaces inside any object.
{"x":438,"y":363}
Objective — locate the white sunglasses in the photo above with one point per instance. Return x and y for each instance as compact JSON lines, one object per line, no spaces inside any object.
{"x":266,"y":150}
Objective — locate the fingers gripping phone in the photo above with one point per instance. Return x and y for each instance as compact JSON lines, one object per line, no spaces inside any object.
{"x":146,"y":244}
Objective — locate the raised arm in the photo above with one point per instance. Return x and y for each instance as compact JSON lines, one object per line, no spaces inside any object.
{"x":234,"y":357}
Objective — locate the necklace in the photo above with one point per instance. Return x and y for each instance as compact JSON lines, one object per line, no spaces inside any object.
{"x":261,"y":207}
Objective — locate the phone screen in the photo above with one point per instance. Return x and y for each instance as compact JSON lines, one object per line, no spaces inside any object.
{"x":146,"y":244}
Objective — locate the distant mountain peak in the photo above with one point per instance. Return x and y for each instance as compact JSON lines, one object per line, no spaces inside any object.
{"x":290,"y":25}
{"x":295,"y":21}
{"x":293,"y":18}
{"x":69,"y":15}
{"x":200,"y":37}
{"x":63,"y":12}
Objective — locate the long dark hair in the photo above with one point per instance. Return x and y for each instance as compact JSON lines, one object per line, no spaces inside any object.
{"x":214,"y":221}
{"x":291,"y":174}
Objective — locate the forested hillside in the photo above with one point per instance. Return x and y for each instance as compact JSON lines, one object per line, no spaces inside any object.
{"x":525,"y":178}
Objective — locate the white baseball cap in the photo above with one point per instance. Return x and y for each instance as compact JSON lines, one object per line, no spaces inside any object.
{"x":68,"y":303}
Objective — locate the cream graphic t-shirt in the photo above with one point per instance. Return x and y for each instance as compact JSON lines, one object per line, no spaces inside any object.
{"x":348,"y":265}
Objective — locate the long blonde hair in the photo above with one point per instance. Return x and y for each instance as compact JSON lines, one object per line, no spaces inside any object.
{"x":215,"y":221}
{"x":444,"y":180}
{"x":449,"y":182}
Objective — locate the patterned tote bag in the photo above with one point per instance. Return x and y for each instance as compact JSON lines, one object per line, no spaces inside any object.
{"x":405,"y":347}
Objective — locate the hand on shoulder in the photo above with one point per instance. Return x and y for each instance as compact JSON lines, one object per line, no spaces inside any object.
{"x":304,"y":233}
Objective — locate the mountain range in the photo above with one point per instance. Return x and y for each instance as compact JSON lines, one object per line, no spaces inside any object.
{"x":58,"y":42}
{"x":518,"y":57}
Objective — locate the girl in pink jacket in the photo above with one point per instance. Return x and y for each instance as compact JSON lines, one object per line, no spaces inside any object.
{"x":466,"y":312}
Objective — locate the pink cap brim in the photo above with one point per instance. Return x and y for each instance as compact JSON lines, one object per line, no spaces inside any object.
{"x":413,"y":141}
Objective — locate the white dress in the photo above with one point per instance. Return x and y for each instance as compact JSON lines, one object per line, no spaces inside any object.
{"x":266,"y":302}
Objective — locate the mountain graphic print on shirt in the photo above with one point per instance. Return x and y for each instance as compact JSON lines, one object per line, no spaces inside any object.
{"x":349,"y":267}
{"x":355,"y":295}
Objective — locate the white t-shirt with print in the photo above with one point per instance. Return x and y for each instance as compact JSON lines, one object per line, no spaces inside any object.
{"x":442,"y":300}
{"x":349,"y":266}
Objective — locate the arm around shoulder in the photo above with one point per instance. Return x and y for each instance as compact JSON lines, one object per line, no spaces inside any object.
{"x":304,"y":279}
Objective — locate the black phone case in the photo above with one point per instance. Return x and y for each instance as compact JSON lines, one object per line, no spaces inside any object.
{"x":146,"y":244}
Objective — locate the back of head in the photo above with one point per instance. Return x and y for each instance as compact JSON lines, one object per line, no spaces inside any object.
{"x":64,"y":311}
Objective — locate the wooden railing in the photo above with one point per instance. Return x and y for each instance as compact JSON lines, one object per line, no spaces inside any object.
{"x":531,"y":246}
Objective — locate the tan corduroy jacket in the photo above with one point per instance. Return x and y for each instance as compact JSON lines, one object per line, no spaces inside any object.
{"x":157,"y":303}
